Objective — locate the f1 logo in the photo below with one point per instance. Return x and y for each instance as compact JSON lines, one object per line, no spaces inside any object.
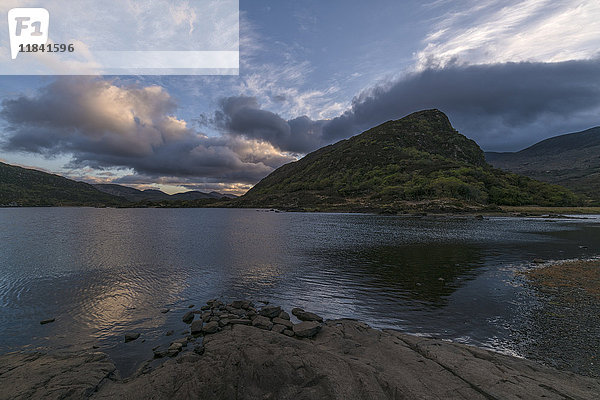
{"x":27,"y":26}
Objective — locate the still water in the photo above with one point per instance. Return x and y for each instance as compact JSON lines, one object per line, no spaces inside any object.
{"x":103,"y":272}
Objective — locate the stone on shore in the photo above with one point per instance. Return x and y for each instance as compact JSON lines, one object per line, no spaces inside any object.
{"x":196,"y":327}
{"x":131,"y":336}
{"x":160,"y":352}
{"x":174,"y":349}
{"x":237,"y":304}
{"x":278,"y":328}
{"x":262,"y":322}
{"x":284,"y":315}
{"x":240,"y":322}
{"x":188,"y":317}
{"x":307,"y":329}
{"x":285,"y":322}
{"x":270,"y":311}
{"x":305,"y":315}
{"x":211,"y":327}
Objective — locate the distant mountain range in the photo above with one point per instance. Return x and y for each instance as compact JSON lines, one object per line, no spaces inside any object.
{"x":134,"y":195}
{"x":417,"y":162}
{"x":571,"y":160}
{"x":30,"y":187}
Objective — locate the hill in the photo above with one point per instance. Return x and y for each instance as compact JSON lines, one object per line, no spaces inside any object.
{"x":155,"y":195}
{"x":571,"y":160}
{"x":29,"y":187}
{"x":417,"y":162}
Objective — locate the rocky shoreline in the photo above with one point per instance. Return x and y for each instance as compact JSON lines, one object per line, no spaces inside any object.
{"x":240,"y":351}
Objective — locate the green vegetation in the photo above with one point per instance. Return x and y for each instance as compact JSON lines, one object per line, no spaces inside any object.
{"x":419,"y":161}
{"x":28,"y":187}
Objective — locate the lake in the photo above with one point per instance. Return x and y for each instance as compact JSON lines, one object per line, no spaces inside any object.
{"x":103,"y":272}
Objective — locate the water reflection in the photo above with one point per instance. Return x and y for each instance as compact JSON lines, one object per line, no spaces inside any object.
{"x":422,"y":272}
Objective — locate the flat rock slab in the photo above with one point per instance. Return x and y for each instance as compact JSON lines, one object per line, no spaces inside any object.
{"x":345,"y":360}
{"x":53,"y":376}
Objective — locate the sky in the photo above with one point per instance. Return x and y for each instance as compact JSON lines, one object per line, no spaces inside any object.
{"x":507,"y":73}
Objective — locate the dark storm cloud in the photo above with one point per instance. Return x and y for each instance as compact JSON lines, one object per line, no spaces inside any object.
{"x":102,"y":126}
{"x":242,"y":116}
{"x":501,"y":106}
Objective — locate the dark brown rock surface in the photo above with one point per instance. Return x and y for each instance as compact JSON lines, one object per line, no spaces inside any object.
{"x":345,"y":360}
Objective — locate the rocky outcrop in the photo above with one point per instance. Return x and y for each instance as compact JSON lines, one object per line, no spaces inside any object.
{"x":344,"y":359}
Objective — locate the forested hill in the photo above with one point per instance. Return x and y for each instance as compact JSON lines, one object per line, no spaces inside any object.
{"x":419,"y":161}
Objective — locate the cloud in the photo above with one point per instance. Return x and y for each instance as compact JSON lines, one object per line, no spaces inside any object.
{"x":495,"y":31}
{"x":501,"y":106}
{"x":103,"y":125}
{"x":242,"y":116}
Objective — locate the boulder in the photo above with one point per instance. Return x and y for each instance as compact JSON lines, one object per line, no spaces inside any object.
{"x":237,"y":304}
{"x":188,"y":317}
{"x":278,"y":328}
{"x":284,"y":315}
{"x":174,"y":349}
{"x":307,"y":329}
{"x":246,"y":304}
{"x":206,"y":316}
{"x":262,"y":322}
{"x":240,"y":321}
{"x":285,"y":322}
{"x":306,"y":316}
{"x":270,"y":311}
{"x":196,"y":327}
{"x":211,"y":327}
{"x":160,"y":352}
{"x":182,"y":341}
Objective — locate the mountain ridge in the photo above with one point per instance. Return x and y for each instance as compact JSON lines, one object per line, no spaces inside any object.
{"x":571,"y":160}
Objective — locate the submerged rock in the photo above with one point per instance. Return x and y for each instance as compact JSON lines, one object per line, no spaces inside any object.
{"x":131,"y":336}
{"x":47,"y":321}
{"x":188,"y":317}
